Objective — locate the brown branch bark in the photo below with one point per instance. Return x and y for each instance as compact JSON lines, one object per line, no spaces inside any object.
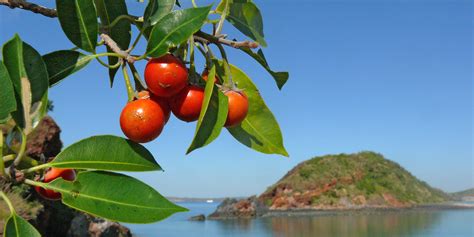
{"x":114,"y":47}
{"x":207,"y":38}
{"x":199,"y":36}
{"x":30,"y":7}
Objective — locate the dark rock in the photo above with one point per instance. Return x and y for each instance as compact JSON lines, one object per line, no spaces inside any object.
{"x":54,"y":219}
{"x":244,"y":208}
{"x":83,"y":226}
{"x":79,"y":226}
{"x":103,"y":228}
{"x":44,"y":140}
{"x":198,"y":218}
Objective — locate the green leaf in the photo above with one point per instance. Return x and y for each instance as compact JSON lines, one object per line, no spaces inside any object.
{"x":280,"y":77}
{"x":115,"y":197}
{"x":221,"y":7}
{"x":36,"y":72}
{"x":154,"y":11}
{"x":108,"y":11}
{"x":246,"y":17}
{"x":19,"y":227}
{"x":213,"y":115}
{"x":40,"y":109}
{"x":259,"y":130}
{"x":174,"y":29}
{"x":13,"y":60}
{"x":78,"y":20}
{"x":106,"y":153}
{"x":7,"y":94}
{"x":60,"y":64}
{"x":157,"y":9}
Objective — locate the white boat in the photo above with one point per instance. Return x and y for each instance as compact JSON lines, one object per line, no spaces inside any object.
{"x":209,"y":201}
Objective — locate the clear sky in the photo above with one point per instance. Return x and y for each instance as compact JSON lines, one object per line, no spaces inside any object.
{"x":392,"y":76}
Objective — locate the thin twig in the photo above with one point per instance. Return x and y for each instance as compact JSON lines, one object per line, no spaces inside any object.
{"x":207,"y":38}
{"x":49,"y":12}
{"x":114,"y":47}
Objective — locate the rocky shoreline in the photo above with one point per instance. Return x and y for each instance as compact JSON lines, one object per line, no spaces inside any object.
{"x":253,"y":208}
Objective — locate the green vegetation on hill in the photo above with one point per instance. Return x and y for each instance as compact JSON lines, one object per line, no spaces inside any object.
{"x":468,"y":192}
{"x":348,"y":180}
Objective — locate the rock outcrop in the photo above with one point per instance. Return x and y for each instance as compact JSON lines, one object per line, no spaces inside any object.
{"x":244,"y":208}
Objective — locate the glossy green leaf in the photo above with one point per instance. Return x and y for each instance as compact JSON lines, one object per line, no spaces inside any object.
{"x":213,"y":115}
{"x":154,"y":11}
{"x":36,"y":72}
{"x":60,"y":64}
{"x":157,"y":9}
{"x":19,"y":227}
{"x":246,"y":17}
{"x":115,"y":197}
{"x":280,"y":77}
{"x":13,"y":60}
{"x":106,"y":153}
{"x":108,"y":11}
{"x":174,"y":29}
{"x":7,"y":94}
{"x":259,"y":130}
{"x":78,"y":20}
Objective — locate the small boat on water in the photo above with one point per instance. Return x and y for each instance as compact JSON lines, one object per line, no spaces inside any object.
{"x":209,"y":201}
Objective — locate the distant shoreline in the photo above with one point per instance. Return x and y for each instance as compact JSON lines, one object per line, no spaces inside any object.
{"x":364,"y":210}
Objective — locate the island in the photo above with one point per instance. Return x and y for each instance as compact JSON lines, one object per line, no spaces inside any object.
{"x":335,"y":183}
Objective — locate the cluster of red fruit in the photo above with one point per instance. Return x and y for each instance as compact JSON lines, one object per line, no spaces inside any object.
{"x":143,"y":119}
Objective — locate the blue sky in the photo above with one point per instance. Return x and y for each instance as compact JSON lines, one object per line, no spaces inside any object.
{"x":389,"y":76}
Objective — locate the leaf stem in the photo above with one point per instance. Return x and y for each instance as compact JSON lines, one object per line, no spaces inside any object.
{"x":2,"y":164}
{"x":108,"y":65}
{"x":107,"y":54}
{"x":139,"y":84}
{"x":226,"y":64}
{"x":8,"y":158}
{"x":18,"y":158}
{"x":8,"y":202}
{"x":221,"y":21}
{"x":128,"y":84}
{"x":33,"y":183}
{"x":36,"y":168}
{"x":135,"y":42}
{"x":119,"y":18}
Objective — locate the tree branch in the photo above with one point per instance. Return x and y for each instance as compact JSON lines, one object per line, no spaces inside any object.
{"x":114,"y":47}
{"x":207,"y":38}
{"x":30,"y":7}
{"x":199,"y":36}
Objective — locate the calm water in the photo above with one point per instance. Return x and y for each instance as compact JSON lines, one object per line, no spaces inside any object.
{"x":427,"y":223}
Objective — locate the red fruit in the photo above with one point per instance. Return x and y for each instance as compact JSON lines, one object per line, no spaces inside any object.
{"x":166,"y":76}
{"x":238,"y":108}
{"x":52,"y":174}
{"x":164,"y":105}
{"x":186,"y":105}
{"x":142,"y":120}
{"x":160,"y":100}
{"x":205,"y":74}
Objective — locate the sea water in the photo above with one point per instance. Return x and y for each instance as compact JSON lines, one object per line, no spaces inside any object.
{"x":407,"y":223}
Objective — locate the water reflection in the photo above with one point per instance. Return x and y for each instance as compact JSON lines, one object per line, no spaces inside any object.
{"x":426,"y":223}
{"x":374,"y":224}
